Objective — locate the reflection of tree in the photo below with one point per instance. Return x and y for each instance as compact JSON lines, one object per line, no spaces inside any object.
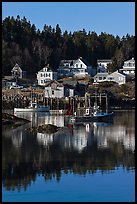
{"x":21,"y":166}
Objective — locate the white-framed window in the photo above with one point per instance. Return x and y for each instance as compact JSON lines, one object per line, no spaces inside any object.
{"x":41,"y":81}
{"x":47,"y":74}
{"x":110,"y":78}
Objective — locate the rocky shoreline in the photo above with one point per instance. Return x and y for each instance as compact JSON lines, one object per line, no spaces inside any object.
{"x":9,"y":119}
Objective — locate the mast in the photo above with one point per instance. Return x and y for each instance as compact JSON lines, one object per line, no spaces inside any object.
{"x":73,"y":105}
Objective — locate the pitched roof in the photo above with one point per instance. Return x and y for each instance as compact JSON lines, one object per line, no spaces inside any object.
{"x":70,"y":82}
{"x":53,"y":81}
{"x":16,"y":67}
{"x":49,"y":69}
{"x":131,"y":60}
{"x":116,"y":72}
{"x":62,"y":62}
{"x":85,"y":61}
{"x":101,"y":74}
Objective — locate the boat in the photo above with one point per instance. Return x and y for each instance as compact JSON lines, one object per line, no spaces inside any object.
{"x":92,"y":115}
{"x":33,"y":107}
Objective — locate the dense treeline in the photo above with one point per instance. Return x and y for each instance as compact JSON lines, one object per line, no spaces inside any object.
{"x":31,"y":48}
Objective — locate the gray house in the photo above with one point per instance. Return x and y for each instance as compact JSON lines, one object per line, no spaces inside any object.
{"x":16,"y":71}
{"x":100,"y":77}
{"x":54,"y":89}
{"x":117,"y":77}
{"x":68,"y":88}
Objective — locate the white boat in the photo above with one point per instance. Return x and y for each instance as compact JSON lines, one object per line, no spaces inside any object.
{"x":33,"y":107}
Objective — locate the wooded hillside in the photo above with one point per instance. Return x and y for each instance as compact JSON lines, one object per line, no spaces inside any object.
{"x":31,"y":48}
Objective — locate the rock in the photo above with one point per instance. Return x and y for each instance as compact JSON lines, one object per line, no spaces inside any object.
{"x":47,"y":128}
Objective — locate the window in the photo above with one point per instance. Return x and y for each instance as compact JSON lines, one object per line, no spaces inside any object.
{"x":120,"y":78}
{"x":41,"y":81}
{"x":110,"y":78}
{"x":104,"y":77}
{"x":52,"y":92}
{"x":81,"y":65}
{"x":100,"y":78}
{"x":47,"y":75}
{"x":76,"y":65}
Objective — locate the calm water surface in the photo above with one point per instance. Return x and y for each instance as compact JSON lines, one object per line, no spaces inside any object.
{"x":81,"y":162}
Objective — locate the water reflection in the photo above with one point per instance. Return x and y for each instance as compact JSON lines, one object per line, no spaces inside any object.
{"x":77,"y":148}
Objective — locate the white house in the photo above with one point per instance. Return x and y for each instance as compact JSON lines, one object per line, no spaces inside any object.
{"x":102,"y":65}
{"x":45,"y":75}
{"x":79,"y":68}
{"x":115,"y":77}
{"x":128,"y":67}
{"x":100,"y":77}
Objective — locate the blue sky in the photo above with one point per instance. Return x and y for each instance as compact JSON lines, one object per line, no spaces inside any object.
{"x":116,"y":18}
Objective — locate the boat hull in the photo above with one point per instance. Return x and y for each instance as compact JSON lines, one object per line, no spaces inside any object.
{"x":99,"y":118}
{"x":41,"y":109}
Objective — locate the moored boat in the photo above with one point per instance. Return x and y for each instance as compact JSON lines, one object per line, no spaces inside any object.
{"x":92,"y":115}
{"x":33,"y":107}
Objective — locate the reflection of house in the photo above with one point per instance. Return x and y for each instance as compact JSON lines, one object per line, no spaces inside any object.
{"x":45,"y":75}
{"x":79,"y":68}
{"x":102,"y":65}
{"x":17,"y":139}
{"x":74,"y":138}
{"x":115,"y":77}
{"x":57,"y":120}
{"x":16,"y":71}
{"x":79,"y":142}
{"x":116,"y":134}
{"x":45,"y":139}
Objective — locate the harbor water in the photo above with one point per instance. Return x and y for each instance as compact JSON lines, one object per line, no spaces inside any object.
{"x":82,"y":162}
